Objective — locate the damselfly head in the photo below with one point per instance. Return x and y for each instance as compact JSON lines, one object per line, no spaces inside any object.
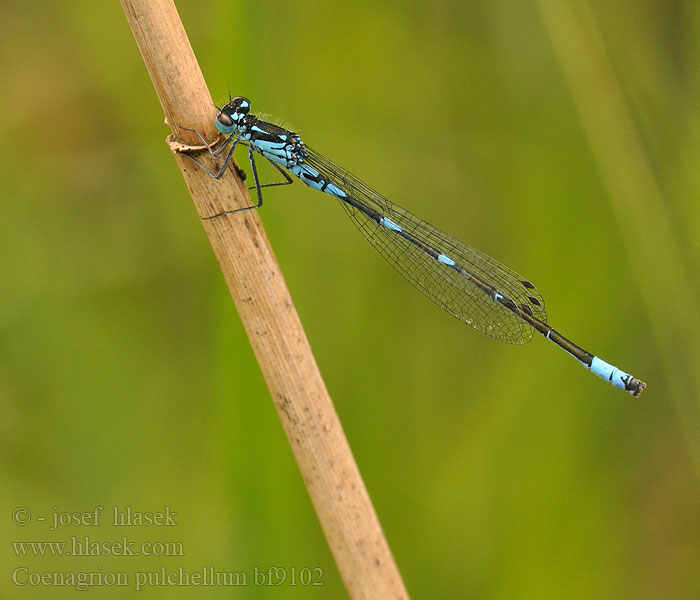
{"x":230,"y":115}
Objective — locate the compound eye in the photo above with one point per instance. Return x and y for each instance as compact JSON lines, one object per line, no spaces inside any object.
{"x":225,"y":120}
{"x":241,"y":104}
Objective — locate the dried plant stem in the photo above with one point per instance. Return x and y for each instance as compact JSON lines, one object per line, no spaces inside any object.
{"x":268,"y":315}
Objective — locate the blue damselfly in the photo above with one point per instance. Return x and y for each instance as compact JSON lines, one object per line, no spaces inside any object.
{"x":467,"y":283}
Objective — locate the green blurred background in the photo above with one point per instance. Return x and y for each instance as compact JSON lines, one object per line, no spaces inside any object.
{"x":560,"y":137}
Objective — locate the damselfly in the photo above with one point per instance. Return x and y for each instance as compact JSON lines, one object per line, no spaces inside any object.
{"x":465,"y":282}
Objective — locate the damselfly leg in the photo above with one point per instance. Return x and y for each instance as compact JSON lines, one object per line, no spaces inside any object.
{"x":234,"y":139}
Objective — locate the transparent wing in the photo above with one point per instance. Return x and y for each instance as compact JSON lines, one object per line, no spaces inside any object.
{"x":454,"y":292}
